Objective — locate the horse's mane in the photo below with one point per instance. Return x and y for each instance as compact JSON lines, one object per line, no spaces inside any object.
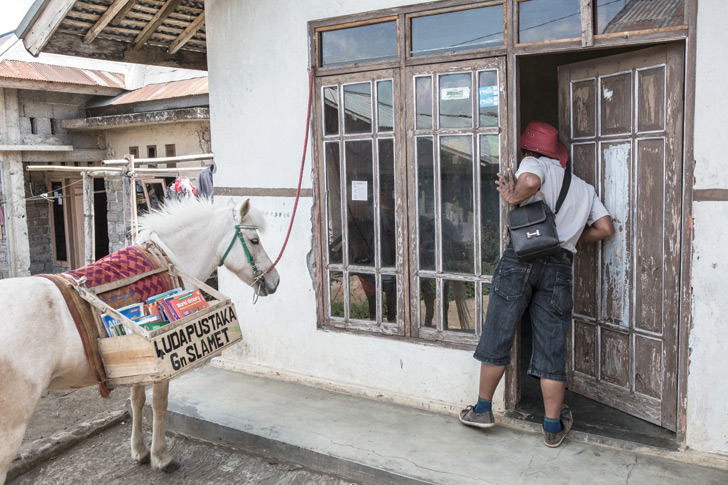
{"x":173,"y":215}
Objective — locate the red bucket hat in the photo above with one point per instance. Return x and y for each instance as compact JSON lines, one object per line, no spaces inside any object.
{"x":542,"y":138}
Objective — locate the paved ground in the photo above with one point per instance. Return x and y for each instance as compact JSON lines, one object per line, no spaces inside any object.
{"x":104,"y":457}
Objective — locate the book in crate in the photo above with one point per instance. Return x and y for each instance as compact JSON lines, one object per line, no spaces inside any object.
{"x":157,"y":311}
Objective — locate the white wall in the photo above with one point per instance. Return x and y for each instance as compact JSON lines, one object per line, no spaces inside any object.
{"x":189,"y":138}
{"x":258,"y":125}
{"x":707,"y":413}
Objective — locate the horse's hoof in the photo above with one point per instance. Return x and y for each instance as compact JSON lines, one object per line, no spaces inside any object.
{"x":143,"y":459}
{"x":170,"y":467}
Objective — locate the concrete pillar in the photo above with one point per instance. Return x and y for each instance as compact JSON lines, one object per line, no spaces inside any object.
{"x":13,"y":185}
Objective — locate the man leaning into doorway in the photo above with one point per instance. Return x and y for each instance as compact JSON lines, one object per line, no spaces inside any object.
{"x":543,"y":285}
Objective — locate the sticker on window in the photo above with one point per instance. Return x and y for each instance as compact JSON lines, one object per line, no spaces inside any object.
{"x":488,"y":96}
{"x":358,"y":190}
{"x":451,"y":94}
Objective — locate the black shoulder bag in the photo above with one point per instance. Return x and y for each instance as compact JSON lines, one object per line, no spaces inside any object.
{"x":533,"y":227}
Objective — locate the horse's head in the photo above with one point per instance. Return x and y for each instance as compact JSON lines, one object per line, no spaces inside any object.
{"x":243,"y":254}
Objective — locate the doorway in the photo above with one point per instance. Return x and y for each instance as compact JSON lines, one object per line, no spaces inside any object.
{"x":611,"y":109}
{"x":67,"y":220}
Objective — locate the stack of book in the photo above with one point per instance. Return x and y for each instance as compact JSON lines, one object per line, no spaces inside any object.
{"x":157,"y":311}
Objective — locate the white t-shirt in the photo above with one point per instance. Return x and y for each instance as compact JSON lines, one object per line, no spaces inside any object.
{"x":581,"y":207}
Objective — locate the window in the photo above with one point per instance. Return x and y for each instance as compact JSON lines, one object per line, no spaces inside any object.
{"x":376,"y":41}
{"x":540,"y":20}
{"x":613,"y":16}
{"x":170,"y":151}
{"x":460,"y":30}
{"x":359,"y":176}
{"x":151,"y":151}
{"x":411,"y":130}
{"x":134,"y":151}
{"x":436,"y":185}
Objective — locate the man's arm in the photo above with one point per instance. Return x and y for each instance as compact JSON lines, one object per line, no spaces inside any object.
{"x":601,"y":229}
{"x":514,"y":192}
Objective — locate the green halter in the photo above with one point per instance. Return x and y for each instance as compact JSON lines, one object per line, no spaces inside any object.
{"x":239,"y":235}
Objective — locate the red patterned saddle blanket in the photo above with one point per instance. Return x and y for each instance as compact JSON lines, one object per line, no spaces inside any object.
{"x":125,"y":263}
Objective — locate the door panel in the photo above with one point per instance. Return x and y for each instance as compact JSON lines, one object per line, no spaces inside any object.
{"x":621,"y":116}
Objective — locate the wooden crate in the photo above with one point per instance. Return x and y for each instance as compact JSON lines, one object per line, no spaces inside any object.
{"x":145,"y":357}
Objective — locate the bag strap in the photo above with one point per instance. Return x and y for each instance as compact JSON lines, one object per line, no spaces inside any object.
{"x":564,"y":187}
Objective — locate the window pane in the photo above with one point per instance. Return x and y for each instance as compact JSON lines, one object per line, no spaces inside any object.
{"x":358,"y":108}
{"x":488,"y":98}
{"x":389,"y":298}
{"x":486,"y":299}
{"x":489,"y":203}
{"x":456,"y":186}
{"x":333,"y":201}
{"x":475,"y":28}
{"x":629,"y":15}
{"x":423,"y":94}
{"x":336,"y":293}
{"x":459,"y":306}
{"x":362,"y":296}
{"x":358,"y":44}
{"x":426,"y":202}
{"x":540,"y":20}
{"x":385,"y":106}
{"x":428,"y":307}
{"x":331,"y":110}
{"x":456,"y":102}
{"x":359,"y":183}
{"x":387,"y":223}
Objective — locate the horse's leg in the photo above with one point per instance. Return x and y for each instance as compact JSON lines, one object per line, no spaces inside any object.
{"x":161,"y":459}
{"x":139,"y":451}
{"x":19,"y":396}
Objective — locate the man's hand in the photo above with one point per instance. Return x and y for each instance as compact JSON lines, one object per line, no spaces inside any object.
{"x":516,"y":191}
{"x":506,"y":185}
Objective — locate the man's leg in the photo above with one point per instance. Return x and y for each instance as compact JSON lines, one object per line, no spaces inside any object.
{"x":551,"y":308}
{"x":490,"y":376}
{"x":553,"y":397}
{"x":509,"y":296}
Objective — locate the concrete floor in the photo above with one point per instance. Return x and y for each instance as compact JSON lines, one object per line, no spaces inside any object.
{"x":377,"y":442}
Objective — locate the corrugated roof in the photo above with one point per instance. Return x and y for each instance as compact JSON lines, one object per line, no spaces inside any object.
{"x":648,"y":14}
{"x":33,"y":71}
{"x":172,"y":89}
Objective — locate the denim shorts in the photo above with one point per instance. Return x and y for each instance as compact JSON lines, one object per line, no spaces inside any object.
{"x":544,"y":286}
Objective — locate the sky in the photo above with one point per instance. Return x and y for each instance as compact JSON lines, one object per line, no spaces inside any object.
{"x":13,"y":12}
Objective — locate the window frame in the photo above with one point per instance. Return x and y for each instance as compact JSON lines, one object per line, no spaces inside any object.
{"x":508,"y":135}
{"x":475,"y":131}
{"x":379,"y":325}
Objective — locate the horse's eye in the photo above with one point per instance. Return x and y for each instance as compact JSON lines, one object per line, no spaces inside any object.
{"x":255,"y":240}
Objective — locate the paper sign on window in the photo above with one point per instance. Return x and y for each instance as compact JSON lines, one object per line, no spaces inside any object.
{"x":451,"y":94}
{"x":488,"y":96}
{"x":358,"y":190}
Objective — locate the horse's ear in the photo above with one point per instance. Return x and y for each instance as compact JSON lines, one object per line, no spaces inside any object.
{"x":231,"y":203}
{"x":244,"y":208}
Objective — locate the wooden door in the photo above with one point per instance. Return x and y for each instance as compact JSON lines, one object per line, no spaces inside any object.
{"x":74,"y":223}
{"x":622,"y":118}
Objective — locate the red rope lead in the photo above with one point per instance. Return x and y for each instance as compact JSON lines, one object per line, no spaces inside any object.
{"x":300,"y":176}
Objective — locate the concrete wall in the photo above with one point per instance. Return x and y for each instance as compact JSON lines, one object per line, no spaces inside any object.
{"x":281,"y":336}
{"x":707,"y":386}
{"x":115,"y":213}
{"x":189,"y":138}
{"x":258,"y":112}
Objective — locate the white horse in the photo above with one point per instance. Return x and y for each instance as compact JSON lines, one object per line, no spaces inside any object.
{"x":40,"y":347}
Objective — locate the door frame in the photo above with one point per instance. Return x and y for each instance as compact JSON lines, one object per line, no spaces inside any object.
{"x":512,"y":393}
